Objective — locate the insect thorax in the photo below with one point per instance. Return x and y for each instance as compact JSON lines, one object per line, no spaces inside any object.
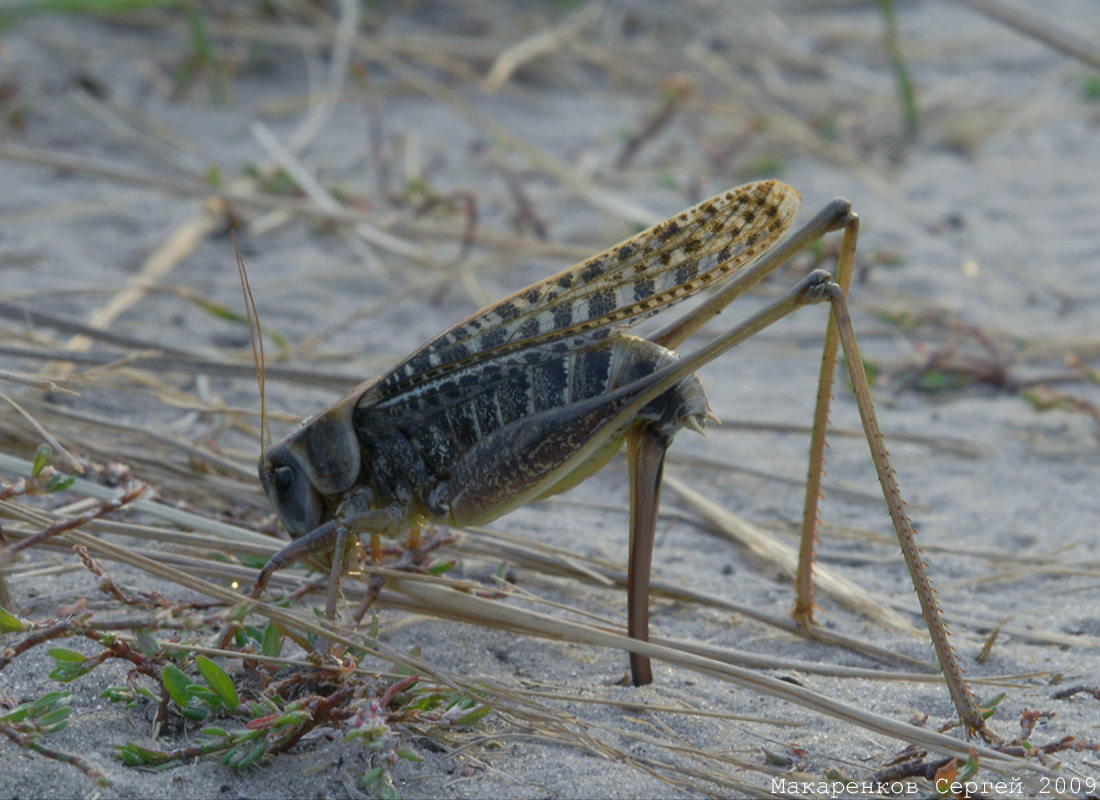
{"x":414,"y":444}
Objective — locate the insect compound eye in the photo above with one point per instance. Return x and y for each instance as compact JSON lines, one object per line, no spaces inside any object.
{"x":290,"y":487}
{"x":283,"y":481}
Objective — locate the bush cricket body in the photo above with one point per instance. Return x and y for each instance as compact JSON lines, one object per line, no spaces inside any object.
{"x":527,"y":397}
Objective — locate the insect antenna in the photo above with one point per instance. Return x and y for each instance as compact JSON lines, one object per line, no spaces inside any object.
{"x":257,"y":342}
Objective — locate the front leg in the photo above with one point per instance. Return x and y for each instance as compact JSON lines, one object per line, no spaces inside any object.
{"x":352,"y":518}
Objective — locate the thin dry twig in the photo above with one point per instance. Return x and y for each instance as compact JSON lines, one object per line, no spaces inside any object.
{"x":36,"y":382}
{"x":1039,"y":29}
{"x":45,"y":434}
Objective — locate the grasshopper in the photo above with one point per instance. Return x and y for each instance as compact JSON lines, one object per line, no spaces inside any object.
{"x":529,"y":396}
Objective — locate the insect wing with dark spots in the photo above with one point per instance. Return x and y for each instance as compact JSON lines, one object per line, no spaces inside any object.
{"x":609,"y":292}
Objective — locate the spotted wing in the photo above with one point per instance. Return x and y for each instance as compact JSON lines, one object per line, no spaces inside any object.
{"x":607,"y":293}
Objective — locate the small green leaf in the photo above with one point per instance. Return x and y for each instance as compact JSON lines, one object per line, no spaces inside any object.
{"x":60,"y":483}
{"x":970,"y":768}
{"x":70,"y":664}
{"x":220,"y":311}
{"x":118,"y":694}
{"x":9,"y":623}
{"x":995,"y":700}
{"x":133,"y":755}
{"x":294,"y":718}
{"x":147,"y":644}
{"x":125,"y":694}
{"x":990,"y":706}
{"x":56,"y":715}
{"x":128,"y":756}
{"x":17,"y":714}
{"x":219,"y":682}
{"x":178,"y":685}
{"x":205,"y":695}
{"x":50,"y":712}
{"x":272,"y":641}
{"x":42,"y":457}
{"x":253,"y":562}
{"x":462,"y":701}
{"x":243,"y":756}
{"x":195,"y":714}
{"x":257,"y":710}
{"x":65,"y":654}
{"x":473,"y":717}
{"x":425,"y":703}
{"x":55,"y":721}
{"x":409,"y":754}
{"x":49,"y":701}
{"x":67,"y":672}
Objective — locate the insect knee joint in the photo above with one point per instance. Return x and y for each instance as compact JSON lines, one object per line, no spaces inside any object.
{"x":817,"y":287}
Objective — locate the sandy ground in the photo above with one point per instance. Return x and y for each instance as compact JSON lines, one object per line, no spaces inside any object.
{"x":983,"y":229}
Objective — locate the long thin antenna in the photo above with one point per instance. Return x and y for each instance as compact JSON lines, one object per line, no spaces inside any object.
{"x":257,"y":342}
